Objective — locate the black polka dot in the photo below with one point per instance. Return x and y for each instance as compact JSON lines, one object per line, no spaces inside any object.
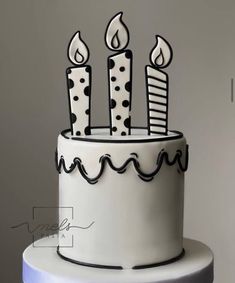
{"x":122,"y":69}
{"x":128,"y":54}
{"x":111,"y":64}
{"x":127,"y":122}
{"x":114,"y":129}
{"x":87,"y":131}
{"x":125,"y":103}
{"x":78,"y":133}
{"x":87,"y":91}
{"x":87,"y":112}
{"x":68,"y":71}
{"x":128,"y":86}
{"x":113,"y":103}
{"x":70,"y":83}
{"x":123,"y":133}
{"x":113,"y":79}
{"x":82,"y":80}
{"x":88,"y":69}
{"x":73,"y":118}
{"x":75,"y":98}
{"x":118,"y":117}
{"x":117,"y":88}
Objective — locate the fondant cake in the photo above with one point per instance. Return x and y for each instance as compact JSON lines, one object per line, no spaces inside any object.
{"x":125,"y":184}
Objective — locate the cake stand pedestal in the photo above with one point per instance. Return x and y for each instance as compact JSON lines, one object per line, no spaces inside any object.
{"x":43,"y":265}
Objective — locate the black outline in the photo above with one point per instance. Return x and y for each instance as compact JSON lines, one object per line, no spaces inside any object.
{"x":88,"y":51}
{"x":137,"y":267}
{"x":232,"y":90}
{"x":166,"y":262}
{"x":156,"y":67}
{"x":87,"y":264}
{"x":119,"y":51}
{"x":178,"y":135}
{"x":171,"y":53}
{"x":106,"y":160}
{"x":107,"y":28}
{"x":109,"y":89}
{"x":158,"y":95}
{"x":68,"y":91}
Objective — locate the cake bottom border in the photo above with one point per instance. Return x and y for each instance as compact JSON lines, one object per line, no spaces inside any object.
{"x":137,"y":267}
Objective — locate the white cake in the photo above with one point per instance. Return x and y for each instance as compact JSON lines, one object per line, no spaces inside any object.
{"x":121,"y":188}
{"x":131,"y":189}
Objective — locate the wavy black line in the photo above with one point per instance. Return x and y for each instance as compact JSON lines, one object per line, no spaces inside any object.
{"x":106,"y":160}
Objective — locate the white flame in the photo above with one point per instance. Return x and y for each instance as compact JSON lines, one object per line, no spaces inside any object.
{"x":117,"y":35}
{"x":78,"y":52}
{"x":161,"y":54}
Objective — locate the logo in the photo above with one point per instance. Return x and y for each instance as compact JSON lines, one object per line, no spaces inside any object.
{"x":41,"y":226}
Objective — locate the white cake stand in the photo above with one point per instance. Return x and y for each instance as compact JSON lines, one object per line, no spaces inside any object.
{"x":43,"y":265}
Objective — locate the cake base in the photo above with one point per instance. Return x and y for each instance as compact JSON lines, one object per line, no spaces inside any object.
{"x":43,"y":265}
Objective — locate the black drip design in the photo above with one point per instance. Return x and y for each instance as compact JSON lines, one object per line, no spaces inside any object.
{"x":106,"y":159}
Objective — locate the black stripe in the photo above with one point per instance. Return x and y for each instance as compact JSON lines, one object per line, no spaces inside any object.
{"x":159,"y":111}
{"x":156,"y":118}
{"x":157,"y":79}
{"x":157,"y":125}
{"x":158,"y":87}
{"x":159,"y":103}
{"x":157,"y":94}
{"x":160,"y":133}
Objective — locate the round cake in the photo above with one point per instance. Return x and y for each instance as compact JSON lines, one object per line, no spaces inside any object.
{"x":127,"y":195}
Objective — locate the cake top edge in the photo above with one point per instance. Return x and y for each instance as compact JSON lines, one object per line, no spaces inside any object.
{"x":138,"y":135}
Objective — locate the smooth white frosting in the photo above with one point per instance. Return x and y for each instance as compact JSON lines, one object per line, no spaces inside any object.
{"x":135,"y":222}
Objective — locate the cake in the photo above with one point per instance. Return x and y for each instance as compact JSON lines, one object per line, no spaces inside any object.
{"x":125,"y":184}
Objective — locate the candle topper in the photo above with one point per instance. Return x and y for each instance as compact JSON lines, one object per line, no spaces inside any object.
{"x":79,"y":86}
{"x":158,"y":87}
{"x":120,"y":76}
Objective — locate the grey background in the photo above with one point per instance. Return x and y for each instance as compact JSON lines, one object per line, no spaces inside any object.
{"x":33,"y":102}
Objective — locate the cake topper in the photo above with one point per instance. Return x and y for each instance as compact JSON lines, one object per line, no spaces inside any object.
{"x":79,"y":86}
{"x":119,"y":76}
{"x":120,"y":82}
{"x":157,"y":87}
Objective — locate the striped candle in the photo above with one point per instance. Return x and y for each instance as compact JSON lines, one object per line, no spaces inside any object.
{"x":157,"y":88}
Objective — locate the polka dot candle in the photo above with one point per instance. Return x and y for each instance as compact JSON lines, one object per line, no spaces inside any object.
{"x":157,"y":88}
{"x":79,"y":86}
{"x":120,"y":76}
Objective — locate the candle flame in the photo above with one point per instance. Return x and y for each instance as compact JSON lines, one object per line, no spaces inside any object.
{"x":78,"y":52}
{"x":161,"y":54}
{"x":117,"y":35}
